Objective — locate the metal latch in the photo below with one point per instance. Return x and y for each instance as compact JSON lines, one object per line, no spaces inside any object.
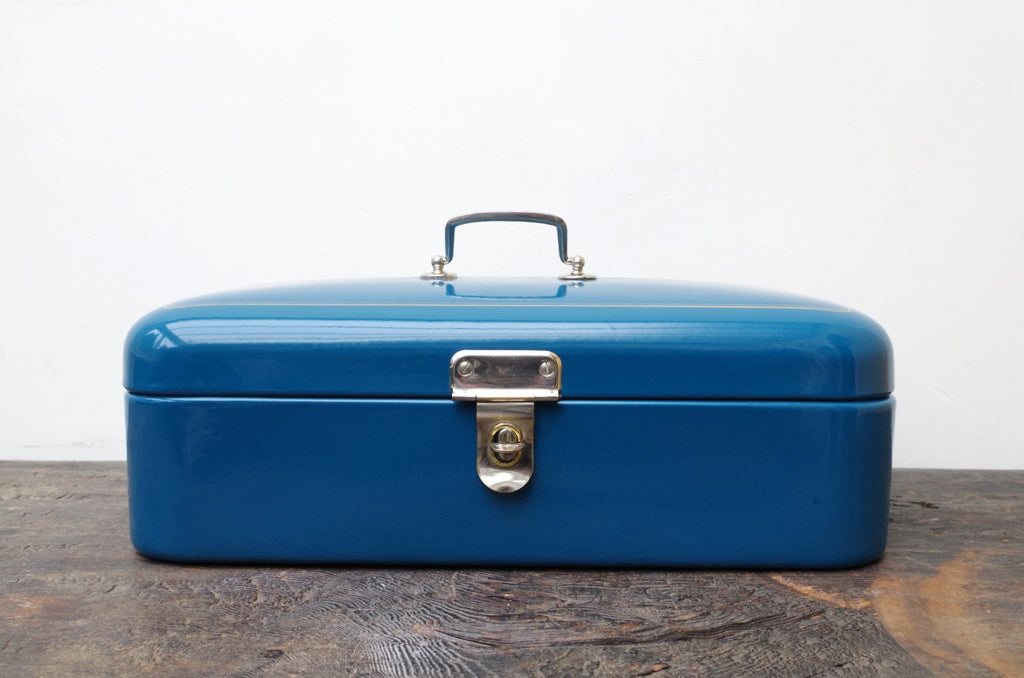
{"x":505,"y":385}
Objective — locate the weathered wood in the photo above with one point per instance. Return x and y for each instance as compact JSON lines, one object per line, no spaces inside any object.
{"x":75,"y":599}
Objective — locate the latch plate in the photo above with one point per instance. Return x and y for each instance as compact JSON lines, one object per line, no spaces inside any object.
{"x":497,"y":471}
{"x":506,"y":375}
{"x":505,"y":385}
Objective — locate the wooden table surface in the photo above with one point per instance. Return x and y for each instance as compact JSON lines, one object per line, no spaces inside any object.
{"x":75,"y":599}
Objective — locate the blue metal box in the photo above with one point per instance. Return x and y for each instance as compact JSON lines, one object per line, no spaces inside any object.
{"x":576,"y":421}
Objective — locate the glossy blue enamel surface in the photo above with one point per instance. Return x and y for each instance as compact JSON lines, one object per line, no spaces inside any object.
{"x":617,"y":338}
{"x":652,"y":483}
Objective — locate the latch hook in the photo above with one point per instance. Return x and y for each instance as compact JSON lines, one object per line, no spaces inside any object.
{"x":505,"y":385}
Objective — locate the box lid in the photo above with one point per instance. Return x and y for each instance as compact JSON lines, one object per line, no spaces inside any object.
{"x":617,"y":338}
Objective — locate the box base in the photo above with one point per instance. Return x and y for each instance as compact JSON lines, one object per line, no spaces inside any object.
{"x":617,"y":483}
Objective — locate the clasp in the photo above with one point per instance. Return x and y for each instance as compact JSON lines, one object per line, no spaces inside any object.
{"x":505,"y":385}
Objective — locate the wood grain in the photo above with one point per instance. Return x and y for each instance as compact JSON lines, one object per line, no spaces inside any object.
{"x":75,"y":599}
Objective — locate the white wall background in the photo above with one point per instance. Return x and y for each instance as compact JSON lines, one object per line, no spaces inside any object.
{"x":871,"y":153}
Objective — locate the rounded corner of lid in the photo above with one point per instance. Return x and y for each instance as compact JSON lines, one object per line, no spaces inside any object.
{"x":145,"y":348}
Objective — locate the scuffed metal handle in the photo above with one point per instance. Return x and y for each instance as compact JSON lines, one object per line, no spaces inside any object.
{"x":531,"y":217}
{"x":439,"y":262}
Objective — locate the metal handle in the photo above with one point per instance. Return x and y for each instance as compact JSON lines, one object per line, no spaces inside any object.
{"x":531,"y":217}
{"x":439,"y":262}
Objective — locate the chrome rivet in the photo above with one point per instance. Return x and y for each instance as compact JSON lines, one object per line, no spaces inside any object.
{"x":546,"y":368}
{"x":464,"y":368}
